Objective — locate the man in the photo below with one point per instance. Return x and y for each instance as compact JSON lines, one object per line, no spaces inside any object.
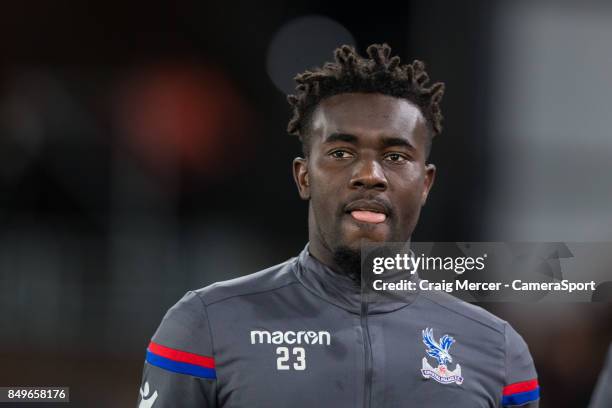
{"x":299,"y":334}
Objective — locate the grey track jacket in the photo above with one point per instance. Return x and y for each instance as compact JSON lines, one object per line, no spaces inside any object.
{"x":602,"y":396}
{"x":299,"y":335}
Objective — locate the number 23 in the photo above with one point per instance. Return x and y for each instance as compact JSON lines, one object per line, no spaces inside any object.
{"x":283,"y":358}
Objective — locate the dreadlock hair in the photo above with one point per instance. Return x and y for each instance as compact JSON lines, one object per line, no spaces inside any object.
{"x":354,"y":73}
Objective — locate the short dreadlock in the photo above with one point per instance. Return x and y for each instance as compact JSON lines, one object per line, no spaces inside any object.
{"x":354,"y":73}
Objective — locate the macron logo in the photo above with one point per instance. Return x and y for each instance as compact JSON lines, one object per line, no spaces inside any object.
{"x":291,"y":337}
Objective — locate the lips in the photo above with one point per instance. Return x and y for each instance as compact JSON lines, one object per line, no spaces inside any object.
{"x":368,"y":211}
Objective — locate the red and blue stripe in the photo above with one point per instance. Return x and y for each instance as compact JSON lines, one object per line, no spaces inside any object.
{"x":521,"y":393}
{"x":181,"y":361}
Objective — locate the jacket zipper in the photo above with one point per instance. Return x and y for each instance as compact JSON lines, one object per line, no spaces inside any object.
{"x":367,"y":346}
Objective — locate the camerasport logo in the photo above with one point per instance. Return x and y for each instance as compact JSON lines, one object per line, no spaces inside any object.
{"x":440,"y":351}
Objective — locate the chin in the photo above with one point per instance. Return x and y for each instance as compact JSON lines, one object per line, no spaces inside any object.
{"x":355,"y":243}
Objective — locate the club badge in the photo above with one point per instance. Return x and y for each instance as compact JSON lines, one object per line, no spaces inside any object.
{"x":440,"y":352}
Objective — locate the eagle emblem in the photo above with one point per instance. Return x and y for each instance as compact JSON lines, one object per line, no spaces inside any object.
{"x":440,"y":351}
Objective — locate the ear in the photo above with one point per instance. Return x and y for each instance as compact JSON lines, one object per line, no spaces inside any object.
{"x":430,"y":176}
{"x":300,"y":175}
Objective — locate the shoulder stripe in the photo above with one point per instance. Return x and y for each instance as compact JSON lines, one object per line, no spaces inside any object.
{"x":521,"y":398}
{"x":522,"y":386}
{"x":181,"y":356}
{"x":181,"y":368}
{"x":521,"y":392}
{"x":181,"y":361}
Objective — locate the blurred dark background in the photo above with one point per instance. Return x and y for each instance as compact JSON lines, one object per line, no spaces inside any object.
{"x":143,"y":153}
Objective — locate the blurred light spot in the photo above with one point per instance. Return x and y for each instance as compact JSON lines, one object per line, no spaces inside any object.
{"x":550,"y":129}
{"x":303,"y":43}
{"x":181,"y":116}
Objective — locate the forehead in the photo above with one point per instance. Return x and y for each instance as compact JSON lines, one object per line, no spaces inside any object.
{"x":369,"y":114}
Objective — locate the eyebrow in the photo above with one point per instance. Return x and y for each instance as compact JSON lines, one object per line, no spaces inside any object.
{"x":385,"y":142}
{"x":340,"y":137}
{"x":396,"y":141}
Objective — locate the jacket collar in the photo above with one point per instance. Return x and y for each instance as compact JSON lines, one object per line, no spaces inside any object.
{"x":342,"y":291}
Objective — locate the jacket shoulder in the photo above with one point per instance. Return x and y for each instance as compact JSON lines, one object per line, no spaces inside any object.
{"x":466,"y":310}
{"x":269,"y":279}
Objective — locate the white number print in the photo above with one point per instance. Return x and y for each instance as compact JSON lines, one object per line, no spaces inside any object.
{"x":300,"y":354}
{"x":283,"y":353}
{"x":283,"y":357}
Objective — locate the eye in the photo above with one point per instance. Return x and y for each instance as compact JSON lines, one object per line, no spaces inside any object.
{"x":396,"y":157}
{"x":340,"y":154}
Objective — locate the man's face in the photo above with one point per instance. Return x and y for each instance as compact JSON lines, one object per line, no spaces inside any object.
{"x":366,"y":176}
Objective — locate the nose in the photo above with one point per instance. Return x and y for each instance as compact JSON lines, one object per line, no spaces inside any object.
{"x":368,"y":174}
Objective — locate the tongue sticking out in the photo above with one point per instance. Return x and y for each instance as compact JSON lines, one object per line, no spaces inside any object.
{"x":369,"y":216}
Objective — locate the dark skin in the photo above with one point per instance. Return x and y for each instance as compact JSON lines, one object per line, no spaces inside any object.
{"x":368,"y":153}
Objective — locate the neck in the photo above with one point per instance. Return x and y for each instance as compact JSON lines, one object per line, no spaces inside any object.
{"x":316,"y":246}
{"x":341,"y":261}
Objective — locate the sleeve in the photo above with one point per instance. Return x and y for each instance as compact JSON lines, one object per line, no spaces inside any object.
{"x":602,"y":397}
{"x":521,"y":388}
{"x":179,"y":369}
